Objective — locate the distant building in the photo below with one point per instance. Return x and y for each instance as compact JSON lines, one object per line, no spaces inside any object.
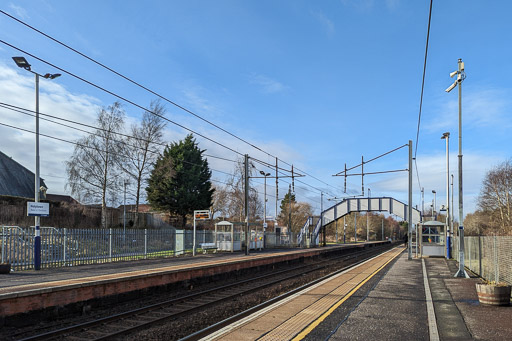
{"x":61,"y":198}
{"x":16,"y":180}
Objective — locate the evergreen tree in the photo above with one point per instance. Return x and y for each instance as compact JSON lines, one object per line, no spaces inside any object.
{"x":285,"y":203}
{"x":180,"y":181}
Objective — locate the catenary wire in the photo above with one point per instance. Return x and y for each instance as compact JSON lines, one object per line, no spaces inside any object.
{"x":423,"y":79}
{"x":90,"y":147}
{"x":120,"y":97}
{"x":29,"y":112}
{"x":152,"y":92}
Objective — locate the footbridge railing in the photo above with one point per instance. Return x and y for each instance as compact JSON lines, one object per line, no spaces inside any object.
{"x":380,"y":204}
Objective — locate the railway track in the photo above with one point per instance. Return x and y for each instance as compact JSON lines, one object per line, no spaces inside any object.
{"x":132,"y":321}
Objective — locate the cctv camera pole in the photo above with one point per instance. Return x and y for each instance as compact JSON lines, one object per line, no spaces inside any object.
{"x":461,"y":272}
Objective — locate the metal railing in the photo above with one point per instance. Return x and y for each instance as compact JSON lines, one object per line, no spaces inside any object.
{"x":69,"y":247}
{"x":488,"y":256}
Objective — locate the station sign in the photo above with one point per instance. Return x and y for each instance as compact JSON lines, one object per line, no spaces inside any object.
{"x":38,"y":209}
{"x":202,"y":215}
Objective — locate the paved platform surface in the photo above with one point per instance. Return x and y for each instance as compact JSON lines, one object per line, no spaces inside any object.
{"x":27,"y":278}
{"x":417,"y":299}
{"x":396,"y":308}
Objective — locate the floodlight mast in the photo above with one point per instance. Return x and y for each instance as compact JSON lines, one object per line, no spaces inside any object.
{"x":22,"y":63}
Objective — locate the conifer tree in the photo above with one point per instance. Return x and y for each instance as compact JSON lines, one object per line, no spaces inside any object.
{"x":180,"y":181}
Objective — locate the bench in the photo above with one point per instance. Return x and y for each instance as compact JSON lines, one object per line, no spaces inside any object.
{"x":208,"y":246}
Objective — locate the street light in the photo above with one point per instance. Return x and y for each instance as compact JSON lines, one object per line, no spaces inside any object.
{"x":265,"y":206}
{"x":434,"y":208}
{"x":461,"y":76}
{"x":22,"y":63}
{"x":446,"y":136}
{"x":265,"y":191}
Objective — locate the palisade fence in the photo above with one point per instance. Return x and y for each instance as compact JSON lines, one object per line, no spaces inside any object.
{"x":488,"y":256}
{"x":69,"y":247}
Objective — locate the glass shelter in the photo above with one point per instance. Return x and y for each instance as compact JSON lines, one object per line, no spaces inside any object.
{"x":433,"y":239}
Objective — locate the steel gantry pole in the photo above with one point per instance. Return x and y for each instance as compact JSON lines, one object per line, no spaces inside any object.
{"x":446,"y":136}
{"x":409,"y":207}
{"x":246,"y":208}
{"x":277,"y":196}
{"x":368,"y":218}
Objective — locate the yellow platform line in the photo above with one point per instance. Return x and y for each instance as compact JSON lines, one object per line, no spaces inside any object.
{"x":322,"y":317}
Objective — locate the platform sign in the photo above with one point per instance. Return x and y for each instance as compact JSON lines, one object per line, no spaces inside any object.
{"x":202,"y":215}
{"x":38,"y":209}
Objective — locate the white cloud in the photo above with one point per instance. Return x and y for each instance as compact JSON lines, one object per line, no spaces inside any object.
{"x":18,"y":89}
{"x":359,"y":4}
{"x":268,"y":85}
{"x":485,"y":108}
{"x":392,"y":4}
{"x":432,"y":170}
{"x":19,"y":11}
{"x":325,"y":21}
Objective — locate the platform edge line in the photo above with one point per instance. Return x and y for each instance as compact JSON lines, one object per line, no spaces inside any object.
{"x":432,"y":322}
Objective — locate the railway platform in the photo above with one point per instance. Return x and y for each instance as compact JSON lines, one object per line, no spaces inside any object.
{"x":391,"y":299}
{"x":388,"y":297}
{"x":52,"y":289}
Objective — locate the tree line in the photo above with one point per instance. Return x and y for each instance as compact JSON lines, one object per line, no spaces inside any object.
{"x":172,"y":177}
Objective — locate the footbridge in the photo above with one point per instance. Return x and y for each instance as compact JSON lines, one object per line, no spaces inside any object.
{"x":349,"y":205}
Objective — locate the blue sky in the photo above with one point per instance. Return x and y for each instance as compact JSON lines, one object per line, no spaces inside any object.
{"x":318,"y":84}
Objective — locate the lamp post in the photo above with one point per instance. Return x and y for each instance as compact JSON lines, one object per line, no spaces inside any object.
{"x":446,"y":136}
{"x":265,"y":205}
{"x":22,"y":63}
{"x":461,"y":75}
{"x":434,"y":207}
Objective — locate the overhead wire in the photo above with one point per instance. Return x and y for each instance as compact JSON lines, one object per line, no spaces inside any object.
{"x":141,"y":107}
{"x":422,"y":91}
{"x":120,"y":97}
{"x":30,"y":112}
{"x":90,"y":147}
{"x":153,"y":92}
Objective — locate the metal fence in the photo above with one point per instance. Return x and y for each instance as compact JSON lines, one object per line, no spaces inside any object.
{"x":488,"y":256}
{"x":69,"y":247}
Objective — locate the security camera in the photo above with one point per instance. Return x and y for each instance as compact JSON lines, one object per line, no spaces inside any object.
{"x":453,"y":73}
{"x":451,"y":87}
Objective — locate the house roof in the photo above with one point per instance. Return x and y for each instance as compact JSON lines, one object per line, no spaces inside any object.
{"x":16,"y":180}
{"x":61,"y":197}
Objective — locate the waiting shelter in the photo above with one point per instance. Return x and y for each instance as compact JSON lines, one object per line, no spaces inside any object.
{"x":433,"y":238}
{"x":225,"y":237}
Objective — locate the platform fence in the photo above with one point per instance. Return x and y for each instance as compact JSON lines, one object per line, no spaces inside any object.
{"x":61,"y":247}
{"x":488,"y":256}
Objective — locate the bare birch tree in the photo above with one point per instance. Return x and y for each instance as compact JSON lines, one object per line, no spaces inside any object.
{"x":496,"y":197}
{"x":144,"y":146}
{"x":93,"y":169}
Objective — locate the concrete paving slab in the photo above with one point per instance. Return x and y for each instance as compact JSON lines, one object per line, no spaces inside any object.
{"x":394,"y":310}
